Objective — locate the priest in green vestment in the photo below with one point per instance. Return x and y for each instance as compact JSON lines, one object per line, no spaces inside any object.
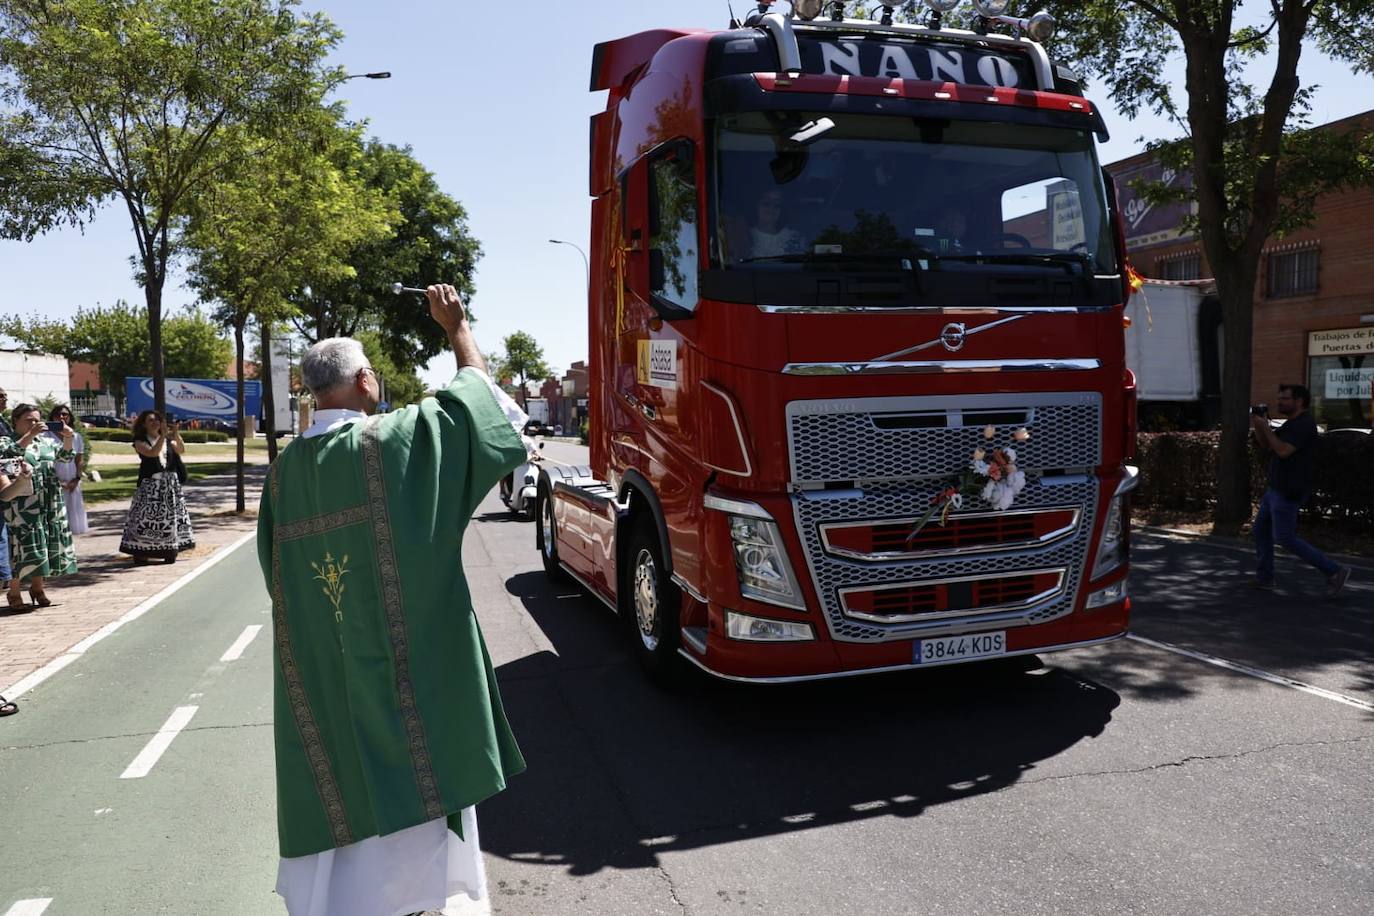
{"x":388,"y":722}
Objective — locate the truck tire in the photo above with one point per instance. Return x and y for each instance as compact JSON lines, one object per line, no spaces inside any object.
{"x":650,"y":602}
{"x":546,"y":536}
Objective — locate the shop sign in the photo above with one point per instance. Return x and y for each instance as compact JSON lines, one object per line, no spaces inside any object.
{"x":1340,"y":342}
{"x":1349,"y":383}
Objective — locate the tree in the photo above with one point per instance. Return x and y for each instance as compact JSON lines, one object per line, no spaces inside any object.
{"x":130,"y":99}
{"x":1256,"y":165}
{"x":295,"y":205}
{"x":431,"y":244}
{"x":116,"y":340}
{"x":523,"y":360}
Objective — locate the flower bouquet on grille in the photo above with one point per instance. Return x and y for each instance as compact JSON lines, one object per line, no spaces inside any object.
{"x":991,"y":475}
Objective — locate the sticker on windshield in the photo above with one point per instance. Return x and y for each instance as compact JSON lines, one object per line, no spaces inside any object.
{"x":657,"y":364}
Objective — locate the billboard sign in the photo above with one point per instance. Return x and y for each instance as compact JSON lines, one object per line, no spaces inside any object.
{"x":198,"y":398}
{"x":1149,"y":224}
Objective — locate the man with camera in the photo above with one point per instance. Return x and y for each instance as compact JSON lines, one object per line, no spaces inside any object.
{"x":1291,"y":448}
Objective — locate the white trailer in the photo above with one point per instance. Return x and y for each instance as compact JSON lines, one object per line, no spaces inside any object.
{"x":31,"y":377}
{"x":1173,"y":346}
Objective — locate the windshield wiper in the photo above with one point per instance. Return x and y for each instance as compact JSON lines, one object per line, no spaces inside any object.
{"x":837,"y":256}
{"x":1064,"y":259}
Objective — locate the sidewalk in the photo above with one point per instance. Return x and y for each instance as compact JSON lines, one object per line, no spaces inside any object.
{"x":108,"y":584}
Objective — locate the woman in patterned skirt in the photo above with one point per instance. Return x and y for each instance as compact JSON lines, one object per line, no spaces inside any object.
{"x":158,"y":525}
{"x":40,"y":542}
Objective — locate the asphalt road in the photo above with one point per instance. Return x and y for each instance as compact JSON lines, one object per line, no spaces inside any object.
{"x":1124,"y":779}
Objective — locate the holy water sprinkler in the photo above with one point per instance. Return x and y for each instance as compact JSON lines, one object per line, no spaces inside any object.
{"x":399,"y":288}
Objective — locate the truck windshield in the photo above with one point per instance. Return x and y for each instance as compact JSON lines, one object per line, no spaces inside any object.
{"x":795,"y":193}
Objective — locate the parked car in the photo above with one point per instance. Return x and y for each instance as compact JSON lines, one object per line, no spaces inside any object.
{"x":102,"y":420}
{"x":217,"y":425}
{"x":538,"y":428}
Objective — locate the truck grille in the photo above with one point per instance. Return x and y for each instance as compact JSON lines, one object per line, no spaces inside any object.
{"x":984,"y":570}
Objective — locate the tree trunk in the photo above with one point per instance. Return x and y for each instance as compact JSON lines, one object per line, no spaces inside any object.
{"x":269,"y":400}
{"x":1236,"y":290}
{"x":239,"y":504}
{"x":152,"y":292}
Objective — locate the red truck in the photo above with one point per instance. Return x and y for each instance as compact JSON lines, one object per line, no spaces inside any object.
{"x":830,"y":260}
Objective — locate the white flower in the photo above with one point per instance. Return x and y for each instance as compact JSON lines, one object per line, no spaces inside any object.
{"x":1017,"y":481}
{"x":980,"y":467}
{"x":1010,"y":453}
{"x":1021,"y":435}
{"x":989,"y":431}
{"x":988,"y":490}
{"x":1004,"y":498}
{"x":957,"y":500}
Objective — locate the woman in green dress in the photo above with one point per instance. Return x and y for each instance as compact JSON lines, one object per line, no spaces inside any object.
{"x":40,"y":541}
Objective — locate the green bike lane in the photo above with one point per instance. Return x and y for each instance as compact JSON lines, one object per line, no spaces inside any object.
{"x":197,"y":832}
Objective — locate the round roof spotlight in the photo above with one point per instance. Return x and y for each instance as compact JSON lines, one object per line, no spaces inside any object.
{"x":1041,"y":26}
{"x":808,"y":9}
{"x":990,"y":8}
{"x":941,"y":6}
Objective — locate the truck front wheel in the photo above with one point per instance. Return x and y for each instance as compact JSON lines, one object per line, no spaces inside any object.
{"x":546,"y":536}
{"x":650,"y":601}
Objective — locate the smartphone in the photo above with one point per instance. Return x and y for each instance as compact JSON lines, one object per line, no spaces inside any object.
{"x":55,"y":427}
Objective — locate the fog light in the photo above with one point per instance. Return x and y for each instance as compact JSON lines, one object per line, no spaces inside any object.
{"x":761,"y":629}
{"x":1112,"y":594}
{"x":991,"y":8}
{"x":808,"y":9}
{"x":941,"y":6}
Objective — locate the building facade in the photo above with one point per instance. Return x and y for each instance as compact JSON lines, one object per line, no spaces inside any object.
{"x":1313,"y":299}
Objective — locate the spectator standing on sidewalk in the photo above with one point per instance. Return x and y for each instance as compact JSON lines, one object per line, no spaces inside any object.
{"x":40,"y":542}
{"x":69,"y":472}
{"x":1292,"y":451}
{"x":6,"y":432}
{"x":158,"y":526}
{"x":389,"y":727}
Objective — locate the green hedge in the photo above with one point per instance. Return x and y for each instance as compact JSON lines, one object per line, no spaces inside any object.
{"x":127,"y":435}
{"x":105,"y":434}
{"x":1178,"y":473}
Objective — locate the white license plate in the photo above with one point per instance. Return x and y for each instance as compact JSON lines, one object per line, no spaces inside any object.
{"x":959,"y":648}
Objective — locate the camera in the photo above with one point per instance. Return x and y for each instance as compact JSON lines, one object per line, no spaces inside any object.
{"x":1259,"y":410}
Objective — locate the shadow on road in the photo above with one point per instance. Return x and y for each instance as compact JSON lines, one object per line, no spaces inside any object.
{"x":620,"y":771}
{"x":1198,"y":597}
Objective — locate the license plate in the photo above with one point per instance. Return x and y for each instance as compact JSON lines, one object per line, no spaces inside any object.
{"x":959,"y":648}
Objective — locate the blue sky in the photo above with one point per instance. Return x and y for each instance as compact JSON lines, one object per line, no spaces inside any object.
{"x":493,"y":98}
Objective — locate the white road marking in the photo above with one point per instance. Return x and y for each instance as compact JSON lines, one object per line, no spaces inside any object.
{"x":33,"y":679}
{"x":34,"y":907}
{"x":1258,"y":673}
{"x":155,"y":748}
{"x":233,"y":652}
{"x":100,"y":811}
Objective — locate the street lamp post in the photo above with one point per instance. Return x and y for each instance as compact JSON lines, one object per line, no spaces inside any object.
{"x":585,"y":263}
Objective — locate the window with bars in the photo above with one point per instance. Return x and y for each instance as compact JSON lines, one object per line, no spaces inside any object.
{"x":1292,"y":273}
{"x":1188,"y":267}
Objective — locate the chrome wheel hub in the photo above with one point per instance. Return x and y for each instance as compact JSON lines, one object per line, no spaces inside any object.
{"x":646,"y":598}
{"x":546,"y":528}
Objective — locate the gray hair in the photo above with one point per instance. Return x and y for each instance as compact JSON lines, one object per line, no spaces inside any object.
{"x":332,"y":362}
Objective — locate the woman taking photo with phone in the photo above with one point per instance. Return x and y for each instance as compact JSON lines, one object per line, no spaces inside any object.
{"x":69,"y":472}
{"x":40,"y":541}
{"x":158,"y":526}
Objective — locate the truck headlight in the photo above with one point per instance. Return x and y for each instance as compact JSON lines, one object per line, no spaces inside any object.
{"x":763,"y":629}
{"x":761,"y":562}
{"x":1111,"y":546}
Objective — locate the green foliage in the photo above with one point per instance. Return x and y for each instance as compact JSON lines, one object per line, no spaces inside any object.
{"x":116,"y":339}
{"x":403,"y":386}
{"x":429,"y":243}
{"x":104,"y":434}
{"x":523,"y":359}
{"x":138,"y":100}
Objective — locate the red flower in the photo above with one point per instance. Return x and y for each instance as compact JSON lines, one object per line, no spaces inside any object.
{"x":995,"y":471}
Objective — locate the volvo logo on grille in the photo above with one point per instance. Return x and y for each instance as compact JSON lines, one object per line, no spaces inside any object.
{"x":952,"y":336}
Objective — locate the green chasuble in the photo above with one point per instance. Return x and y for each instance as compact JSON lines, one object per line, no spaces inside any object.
{"x":386,"y":708}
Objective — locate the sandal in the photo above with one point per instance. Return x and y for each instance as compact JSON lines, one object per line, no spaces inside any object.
{"x":40,"y":599}
{"x":8,"y":707}
{"x":16,"y":602}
